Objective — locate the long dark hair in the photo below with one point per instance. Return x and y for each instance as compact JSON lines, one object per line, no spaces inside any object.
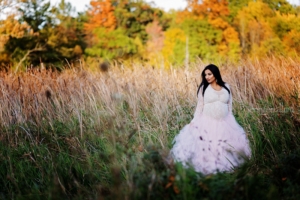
{"x":216,"y":72}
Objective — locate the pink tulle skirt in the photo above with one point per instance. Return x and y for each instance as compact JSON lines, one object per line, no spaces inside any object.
{"x":211,"y":145}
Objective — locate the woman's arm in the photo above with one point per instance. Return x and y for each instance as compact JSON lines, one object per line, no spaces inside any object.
{"x":230,"y":99}
{"x":200,"y":103}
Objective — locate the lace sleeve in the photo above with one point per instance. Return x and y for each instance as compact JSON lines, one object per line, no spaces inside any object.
{"x":230,"y":100}
{"x":200,"y":103}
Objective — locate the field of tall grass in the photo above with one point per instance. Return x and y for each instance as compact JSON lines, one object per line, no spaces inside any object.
{"x":106,"y":133}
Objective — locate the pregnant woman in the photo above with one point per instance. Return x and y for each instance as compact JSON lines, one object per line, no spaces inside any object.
{"x":213,"y":141}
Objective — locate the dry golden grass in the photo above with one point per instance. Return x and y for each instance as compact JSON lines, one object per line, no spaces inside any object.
{"x":104,"y":123}
{"x":46,"y":96}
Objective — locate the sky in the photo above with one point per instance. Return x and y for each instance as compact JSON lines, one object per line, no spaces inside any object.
{"x":164,"y":4}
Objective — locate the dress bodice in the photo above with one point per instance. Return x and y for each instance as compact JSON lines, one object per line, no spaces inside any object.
{"x":216,"y":104}
{"x":212,"y":96}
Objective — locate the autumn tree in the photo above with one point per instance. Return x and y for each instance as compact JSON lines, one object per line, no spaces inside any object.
{"x":103,"y":38}
{"x":65,"y":37}
{"x":36,"y":13}
{"x":110,"y":45}
{"x":292,"y":42}
{"x":215,"y":13}
{"x":155,"y":41}
{"x":212,"y":9}
{"x":283,"y":6}
{"x":134,"y":16}
{"x":55,"y":37}
{"x":234,"y":6}
{"x":101,"y":14}
{"x":287,"y":28}
{"x":174,"y":46}
{"x":107,"y":18}
{"x":253,"y":23}
{"x":11,"y":28}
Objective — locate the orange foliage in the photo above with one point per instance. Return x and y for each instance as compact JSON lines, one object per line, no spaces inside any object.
{"x":101,"y":15}
{"x":231,"y":35}
{"x":214,"y":10}
{"x":210,"y":8}
{"x":292,"y":40}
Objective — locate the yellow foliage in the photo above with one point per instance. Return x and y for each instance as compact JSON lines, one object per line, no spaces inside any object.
{"x":172,"y":36}
{"x":257,"y":10}
{"x":255,"y":26}
{"x":222,"y":48}
{"x":77,"y":50}
{"x":285,"y":17}
{"x":141,"y":50}
{"x":10,"y":27}
{"x":186,"y":14}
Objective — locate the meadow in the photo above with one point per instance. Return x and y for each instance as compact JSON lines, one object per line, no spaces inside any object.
{"x":105,"y":133}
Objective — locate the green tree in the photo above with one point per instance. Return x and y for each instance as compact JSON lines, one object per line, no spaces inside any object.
{"x":11,"y":28}
{"x":203,"y":39}
{"x":111,"y":44}
{"x":58,"y":35}
{"x":36,"y":13}
{"x":66,"y":38}
{"x":134,"y":16}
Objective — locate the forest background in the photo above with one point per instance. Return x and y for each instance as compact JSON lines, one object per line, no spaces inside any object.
{"x":34,"y":32}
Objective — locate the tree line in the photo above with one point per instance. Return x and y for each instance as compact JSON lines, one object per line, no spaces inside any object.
{"x":34,"y":31}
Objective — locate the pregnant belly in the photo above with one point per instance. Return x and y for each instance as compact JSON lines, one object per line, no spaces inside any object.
{"x":217,"y":110}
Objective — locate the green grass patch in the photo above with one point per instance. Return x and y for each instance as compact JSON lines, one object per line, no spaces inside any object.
{"x":129,"y":159}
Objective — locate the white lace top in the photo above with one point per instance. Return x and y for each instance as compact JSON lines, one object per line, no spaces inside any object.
{"x":216,"y":104}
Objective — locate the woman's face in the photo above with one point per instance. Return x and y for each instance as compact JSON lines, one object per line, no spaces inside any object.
{"x":209,"y":76}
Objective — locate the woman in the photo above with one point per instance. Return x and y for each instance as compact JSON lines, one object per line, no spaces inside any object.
{"x":213,"y":141}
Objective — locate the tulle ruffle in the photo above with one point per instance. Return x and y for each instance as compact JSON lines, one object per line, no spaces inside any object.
{"x":210,"y":145}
